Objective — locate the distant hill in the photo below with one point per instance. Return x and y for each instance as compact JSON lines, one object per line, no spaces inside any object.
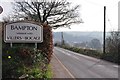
{"x":78,"y":37}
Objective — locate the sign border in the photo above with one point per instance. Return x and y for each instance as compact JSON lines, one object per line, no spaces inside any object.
{"x":24,"y":41}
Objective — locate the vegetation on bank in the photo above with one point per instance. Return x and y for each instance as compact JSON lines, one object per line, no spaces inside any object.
{"x":24,"y":62}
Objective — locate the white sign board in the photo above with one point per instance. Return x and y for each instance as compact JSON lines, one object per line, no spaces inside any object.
{"x":23,"y":32}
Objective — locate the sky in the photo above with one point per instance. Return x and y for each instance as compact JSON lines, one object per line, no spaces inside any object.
{"x":91,"y":12}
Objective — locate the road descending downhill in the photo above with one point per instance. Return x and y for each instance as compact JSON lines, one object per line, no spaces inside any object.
{"x":81,"y":66}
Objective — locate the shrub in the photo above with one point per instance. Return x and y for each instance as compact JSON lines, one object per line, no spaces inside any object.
{"x":113,"y":57}
{"x":47,"y":45}
{"x":24,"y":61}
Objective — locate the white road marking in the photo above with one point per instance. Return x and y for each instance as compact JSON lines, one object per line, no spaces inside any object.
{"x":88,"y":57}
{"x":100,"y":65}
{"x":64,"y":67}
{"x":116,"y":66}
{"x":68,"y":54}
{"x":75,"y":57}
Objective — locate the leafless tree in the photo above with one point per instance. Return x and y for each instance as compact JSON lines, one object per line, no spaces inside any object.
{"x":7,"y":18}
{"x":56,"y":13}
{"x":113,"y":47}
{"x":113,"y":42}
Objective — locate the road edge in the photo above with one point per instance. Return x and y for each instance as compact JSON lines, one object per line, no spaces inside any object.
{"x":64,"y":66}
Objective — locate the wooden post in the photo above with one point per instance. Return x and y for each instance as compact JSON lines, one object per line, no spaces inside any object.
{"x":36,"y":45}
{"x":11,"y":45}
{"x":104,"y":29}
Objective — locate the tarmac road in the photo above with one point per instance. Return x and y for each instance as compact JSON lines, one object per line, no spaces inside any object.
{"x":81,"y":66}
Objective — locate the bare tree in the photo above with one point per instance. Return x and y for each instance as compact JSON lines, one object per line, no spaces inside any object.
{"x":113,"y":42}
{"x":7,"y":18}
{"x":113,"y":47}
{"x":56,"y":13}
{"x":95,"y":44}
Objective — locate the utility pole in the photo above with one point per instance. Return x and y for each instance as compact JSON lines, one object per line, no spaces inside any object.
{"x":104,"y":34}
{"x":62,"y":39}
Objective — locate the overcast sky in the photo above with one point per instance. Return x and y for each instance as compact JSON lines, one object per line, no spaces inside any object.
{"x":91,"y":12}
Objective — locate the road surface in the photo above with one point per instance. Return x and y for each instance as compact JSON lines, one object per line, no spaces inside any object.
{"x":81,"y":66}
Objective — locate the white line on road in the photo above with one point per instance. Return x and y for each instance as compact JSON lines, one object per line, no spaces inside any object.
{"x":64,"y":52}
{"x":100,"y":65}
{"x":64,"y":66}
{"x":88,"y":57}
{"x":116,"y":66}
{"x":60,"y":49}
{"x":75,"y":57}
{"x":103,"y":66}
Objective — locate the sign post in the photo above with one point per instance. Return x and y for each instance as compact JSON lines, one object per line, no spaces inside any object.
{"x":36,"y":45}
{"x":11,"y":45}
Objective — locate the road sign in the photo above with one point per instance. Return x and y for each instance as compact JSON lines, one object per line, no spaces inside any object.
{"x":23,"y":32}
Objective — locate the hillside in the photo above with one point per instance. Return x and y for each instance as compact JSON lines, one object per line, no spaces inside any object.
{"x":78,"y":36}
{"x":92,"y":40}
